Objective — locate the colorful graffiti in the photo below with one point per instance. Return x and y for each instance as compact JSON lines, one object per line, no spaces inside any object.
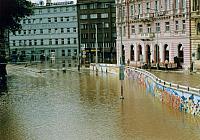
{"x":180,"y":100}
{"x":177,"y":99}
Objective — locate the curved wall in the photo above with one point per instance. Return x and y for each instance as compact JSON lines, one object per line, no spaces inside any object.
{"x":185,"y":99}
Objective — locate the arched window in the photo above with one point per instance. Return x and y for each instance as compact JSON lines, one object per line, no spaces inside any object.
{"x":198,"y":28}
{"x":180,"y":53}
{"x":132,"y":53}
{"x":198,"y":52}
{"x":166,"y":52}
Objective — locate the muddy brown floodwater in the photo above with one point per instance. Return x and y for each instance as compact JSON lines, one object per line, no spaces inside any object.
{"x":67,"y":105}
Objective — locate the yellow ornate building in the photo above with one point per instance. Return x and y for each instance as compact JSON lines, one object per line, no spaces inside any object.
{"x":195,"y":33}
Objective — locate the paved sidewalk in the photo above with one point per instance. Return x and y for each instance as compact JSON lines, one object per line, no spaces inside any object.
{"x":179,"y":77}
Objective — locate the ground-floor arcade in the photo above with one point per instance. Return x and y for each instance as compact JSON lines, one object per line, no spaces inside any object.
{"x":153,"y":52}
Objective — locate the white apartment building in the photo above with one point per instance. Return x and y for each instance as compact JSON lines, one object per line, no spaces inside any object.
{"x":51,"y":30}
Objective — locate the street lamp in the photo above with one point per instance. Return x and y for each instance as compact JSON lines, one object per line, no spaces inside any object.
{"x":96,"y":45}
{"x":157,"y":30}
{"x":103,"y":42}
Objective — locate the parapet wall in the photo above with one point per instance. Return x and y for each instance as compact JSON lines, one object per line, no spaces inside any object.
{"x":182,"y":98}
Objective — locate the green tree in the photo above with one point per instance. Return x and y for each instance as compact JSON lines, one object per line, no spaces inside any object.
{"x":12,"y":12}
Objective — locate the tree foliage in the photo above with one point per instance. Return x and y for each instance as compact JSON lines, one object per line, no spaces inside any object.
{"x":12,"y":12}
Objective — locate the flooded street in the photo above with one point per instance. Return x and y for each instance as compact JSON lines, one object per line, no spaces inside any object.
{"x":68,"y":105}
{"x":186,"y":79}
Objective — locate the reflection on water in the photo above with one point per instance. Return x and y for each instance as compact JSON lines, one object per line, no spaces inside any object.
{"x":80,"y":106}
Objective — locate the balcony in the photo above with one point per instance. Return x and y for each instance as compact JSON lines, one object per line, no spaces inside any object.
{"x":146,"y":36}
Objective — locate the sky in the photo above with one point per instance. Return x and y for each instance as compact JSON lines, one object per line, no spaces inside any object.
{"x":37,"y":1}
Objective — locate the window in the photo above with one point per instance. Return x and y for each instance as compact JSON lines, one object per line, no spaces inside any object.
{"x":148,"y":7}
{"x":24,"y":32}
{"x":62,"y":41}
{"x":63,"y":52}
{"x":56,"y":30}
{"x":55,"y":19}
{"x":29,"y":31}
{"x":124,"y":31}
{"x":62,"y":30}
{"x":19,"y":32}
{"x":105,"y":5}
{"x":139,"y":8}
{"x":196,"y":5}
{"x":104,"y":15}
{"x":184,"y":25}
{"x":83,"y":6}
{"x":30,"y":42}
{"x":35,"y":42}
{"x":40,"y":20}
{"x":176,"y":4}
{"x":49,"y":19}
{"x":29,"y":21}
{"x":68,"y":30}
{"x":48,"y":10}
{"x":49,"y":31}
{"x":40,"y":11}
{"x":50,"y":41}
{"x":56,"y":41}
{"x":132,"y":10}
{"x":69,"y":52}
{"x":198,"y":52}
{"x":167,"y":26}
{"x":166,"y":5}
{"x":176,"y":25}
{"x":184,"y":6}
{"x":20,"y":42}
{"x":114,"y":15}
{"x":83,"y":16}
{"x":156,"y":5}
{"x":55,"y":9}
{"x":74,"y":29}
{"x":74,"y":18}
{"x":68,"y":40}
{"x":61,"y":19}
{"x":24,"y":21}
{"x":24,"y":42}
{"x":140,"y":29}
{"x":93,"y":6}
{"x":67,"y":18}
{"x":41,"y":31}
{"x":123,"y":11}
{"x":14,"y":43}
{"x":93,"y":35}
{"x":92,"y":16}
{"x":41,"y":42}
{"x":106,"y":25}
{"x":75,"y":41}
{"x":198,"y":28}
{"x":34,"y":31}
{"x":133,"y":29}
{"x":148,"y":28}
{"x":157,"y":27}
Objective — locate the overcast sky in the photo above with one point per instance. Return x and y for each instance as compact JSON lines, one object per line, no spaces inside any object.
{"x":36,"y":1}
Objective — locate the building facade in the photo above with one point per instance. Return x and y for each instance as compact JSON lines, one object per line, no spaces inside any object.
{"x":4,"y":42}
{"x":97,"y":29}
{"x":152,"y":31}
{"x":52,"y":31}
{"x":195,"y":33}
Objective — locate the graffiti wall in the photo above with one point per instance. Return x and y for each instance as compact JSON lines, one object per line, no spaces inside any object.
{"x":181,"y":100}
{"x":177,"y":99}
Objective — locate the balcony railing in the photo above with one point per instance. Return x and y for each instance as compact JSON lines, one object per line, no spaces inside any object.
{"x":146,"y":36}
